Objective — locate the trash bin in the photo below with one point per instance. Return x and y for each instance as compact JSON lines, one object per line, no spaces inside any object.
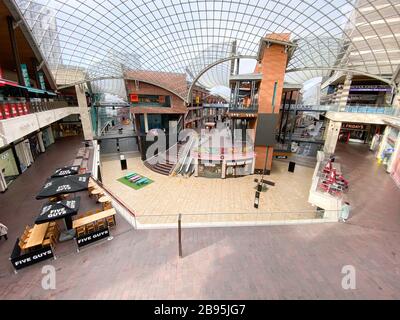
{"x":345,"y":212}
{"x":122,"y":159}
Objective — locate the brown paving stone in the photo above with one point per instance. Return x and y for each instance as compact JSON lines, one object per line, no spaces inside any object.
{"x":276,"y":262}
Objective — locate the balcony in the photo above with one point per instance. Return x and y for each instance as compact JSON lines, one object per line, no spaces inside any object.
{"x":241,"y":108}
{"x":365,"y":109}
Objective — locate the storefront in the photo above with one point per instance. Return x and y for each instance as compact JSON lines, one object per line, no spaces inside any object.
{"x":35,"y":146}
{"x":223,"y":163}
{"x":354,"y":132}
{"x":208,"y":169}
{"x":389,"y":148}
{"x":47,"y":136}
{"x":69,"y":126}
{"x":24,"y":154}
{"x":8,"y":166}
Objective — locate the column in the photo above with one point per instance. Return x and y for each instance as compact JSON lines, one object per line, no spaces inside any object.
{"x":84,"y":112}
{"x":332,"y":136}
{"x":273,"y":67}
{"x":146,"y":123}
{"x":345,"y":91}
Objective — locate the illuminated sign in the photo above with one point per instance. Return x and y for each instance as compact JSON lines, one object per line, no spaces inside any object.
{"x":353,"y":126}
{"x":25,"y":74}
{"x":134,"y":98}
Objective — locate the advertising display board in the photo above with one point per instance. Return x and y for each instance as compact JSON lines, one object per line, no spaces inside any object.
{"x":92,"y":237}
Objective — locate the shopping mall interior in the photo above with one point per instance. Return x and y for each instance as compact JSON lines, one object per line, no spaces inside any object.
{"x":200,"y":149}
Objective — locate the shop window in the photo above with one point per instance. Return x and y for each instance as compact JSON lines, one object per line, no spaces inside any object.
{"x":8,"y":166}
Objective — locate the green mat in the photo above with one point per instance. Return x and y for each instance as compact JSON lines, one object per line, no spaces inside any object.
{"x":134,"y":185}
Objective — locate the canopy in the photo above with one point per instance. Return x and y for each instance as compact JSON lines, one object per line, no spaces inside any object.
{"x":58,"y":210}
{"x":68,"y":184}
{"x":65,"y":171}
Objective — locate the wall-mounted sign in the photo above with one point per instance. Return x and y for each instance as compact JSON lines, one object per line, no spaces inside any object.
{"x":25,"y":74}
{"x":370,"y":88}
{"x":280,"y":157}
{"x":41,"y":80}
{"x":197,"y":100}
{"x":134,"y":98}
{"x":354,"y":126}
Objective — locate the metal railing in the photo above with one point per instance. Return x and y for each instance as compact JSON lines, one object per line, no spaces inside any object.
{"x":364,"y":109}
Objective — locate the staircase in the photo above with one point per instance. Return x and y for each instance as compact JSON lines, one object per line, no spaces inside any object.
{"x":166,"y":167}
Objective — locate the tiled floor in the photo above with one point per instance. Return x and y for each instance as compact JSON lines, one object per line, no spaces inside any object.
{"x":233,"y":263}
{"x":161,"y":201}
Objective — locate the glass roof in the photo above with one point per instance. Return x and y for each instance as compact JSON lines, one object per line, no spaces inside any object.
{"x":99,"y":39}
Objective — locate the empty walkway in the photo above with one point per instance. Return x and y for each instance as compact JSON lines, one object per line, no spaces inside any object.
{"x":242,"y":263}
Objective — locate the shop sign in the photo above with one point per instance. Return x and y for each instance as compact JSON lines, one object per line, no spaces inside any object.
{"x":6,"y":109}
{"x":32,"y":258}
{"x":20,"y":107}
{"x":134,"y":98}
{"x":353,"y":126}
{"x":14,"y":109}
{"x":41,"y":80}
{"x":370,"y":88}
{"x":92,"y":237}
{"x":25,"y":74}
{"x":280,"y":157}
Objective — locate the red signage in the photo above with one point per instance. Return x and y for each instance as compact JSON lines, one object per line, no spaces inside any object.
{"x":20,"y":107}
{"x":26,"y":108}
{"x":134,"y":98}
{"x":14,"y":111}
{"x":6,"y":109}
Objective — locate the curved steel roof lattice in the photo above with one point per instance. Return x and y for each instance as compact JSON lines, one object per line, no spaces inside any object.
{"x":84,"y":40}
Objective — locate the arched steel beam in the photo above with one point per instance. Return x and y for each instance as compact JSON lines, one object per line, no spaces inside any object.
{"x":122,"y":78}
{"x":204,"y":70}
{"x":388,"y":81}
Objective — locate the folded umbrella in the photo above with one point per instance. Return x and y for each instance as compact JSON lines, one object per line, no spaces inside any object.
{"x":65,"y":171}
{"x":69,"y":184}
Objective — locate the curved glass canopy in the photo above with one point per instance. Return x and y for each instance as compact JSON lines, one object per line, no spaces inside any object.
{"x":103,"y":39}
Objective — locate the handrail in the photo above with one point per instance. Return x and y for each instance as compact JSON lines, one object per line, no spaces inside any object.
{"x":105,"y":126}
{"x":185,"y":154}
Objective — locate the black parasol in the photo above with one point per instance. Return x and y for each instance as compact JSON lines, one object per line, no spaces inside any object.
{"x":63,"y":209}
{"x":69,"y":184}
{"x":65,"y":171}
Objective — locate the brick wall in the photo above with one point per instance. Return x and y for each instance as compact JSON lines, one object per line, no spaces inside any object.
{"x":177,"y":104}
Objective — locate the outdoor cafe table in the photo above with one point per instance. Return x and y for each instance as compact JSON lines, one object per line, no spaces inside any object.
{"x":94,"y":217}
{"x":37,"y":235}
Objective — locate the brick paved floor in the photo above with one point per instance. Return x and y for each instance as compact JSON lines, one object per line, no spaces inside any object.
{"x":276,"y":262}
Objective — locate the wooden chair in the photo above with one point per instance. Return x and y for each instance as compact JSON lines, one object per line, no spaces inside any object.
{"x":80,"y":231}
{"x":24,"y":238}
{"x":21,"y":244}
{"x":90,"y":227}
{"x":107,"y":205}
{"x":48,"y":242}
{"x":111,"y":221}
{"x":101,"y":224}
{"x":88,"y":213}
